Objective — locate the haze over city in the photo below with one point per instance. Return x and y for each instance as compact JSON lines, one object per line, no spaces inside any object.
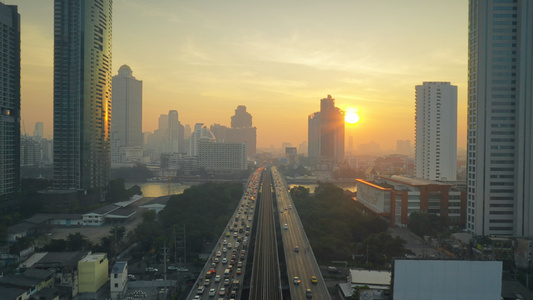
{"x":279,"y":59}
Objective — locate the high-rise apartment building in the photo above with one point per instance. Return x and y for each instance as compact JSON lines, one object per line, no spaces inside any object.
{"x":126,"y":125}
{"x":9,"y":99}
{"x":326,"y":134}
{"x":127,"y":108}
{"x":436,"y":131}
{"x":82,"y":93}
{"x":500,"y":110}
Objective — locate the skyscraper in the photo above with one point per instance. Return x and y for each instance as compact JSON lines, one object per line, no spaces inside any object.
{"x":242,"y":130}
{"x":9,"y":99}
{"x":500,"y":110}
{"x":326,"y":134}
{"x":126,"y":125}
{"x":127,"y":108}
{"x":82,"y":93}
{"x":436,"y":131}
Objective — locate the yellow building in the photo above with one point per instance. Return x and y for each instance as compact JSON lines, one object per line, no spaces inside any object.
{"x":93,"y":272}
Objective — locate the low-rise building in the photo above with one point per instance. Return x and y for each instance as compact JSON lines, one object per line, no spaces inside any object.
{"x":396,"y":197}
{"x":119,"y":280}
{"x":93,"y":272}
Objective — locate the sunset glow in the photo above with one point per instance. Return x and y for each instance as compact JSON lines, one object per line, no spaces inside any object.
{"x":351,"y":117}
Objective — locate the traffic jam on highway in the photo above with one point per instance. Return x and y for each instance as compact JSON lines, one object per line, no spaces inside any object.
{"x":223,"y":272}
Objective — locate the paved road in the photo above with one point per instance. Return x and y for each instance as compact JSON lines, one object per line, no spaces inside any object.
{"x":301,"y":261}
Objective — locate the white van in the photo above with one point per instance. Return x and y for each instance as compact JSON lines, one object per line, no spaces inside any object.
{"x":200,"y":290}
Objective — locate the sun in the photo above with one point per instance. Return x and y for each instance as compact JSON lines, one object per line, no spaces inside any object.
{"x":351,"y":117}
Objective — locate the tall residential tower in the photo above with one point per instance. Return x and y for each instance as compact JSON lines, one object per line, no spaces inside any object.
{"x":9,"y":99}
{"x":500,"y":114}
{"x":436,"y":131}
{"x":82,"y":93}
{"x":126,"y":125}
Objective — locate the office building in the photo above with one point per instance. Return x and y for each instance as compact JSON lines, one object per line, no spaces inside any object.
{"x":126,"y":125}
{"x":242,"y":131}
{"x":396,"y":197}
{"x":500,"y":110}
{"x":82,"y":94}
{"x":436,"y":131}
{"x":9,"y":99}
{"x":218,"y":156}
{"x":326,"y":135}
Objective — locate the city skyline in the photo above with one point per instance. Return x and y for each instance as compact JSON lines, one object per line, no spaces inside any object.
{"x":199,"y":56}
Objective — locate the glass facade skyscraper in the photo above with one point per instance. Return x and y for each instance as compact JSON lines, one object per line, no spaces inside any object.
{"x":82,"y":93}
{"x":9,"y":99}
{"x":500,"y":114}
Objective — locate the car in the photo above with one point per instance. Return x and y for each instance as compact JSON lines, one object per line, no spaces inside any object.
{"x":226,"y":281}
{"x":239,"y":264}
{"x":200,"y":290}
{"x":207,"y":282}
{"x":216,"y":260}
{"x":172,"y":268}
{"x":290,"y":206}
{"x":314,"y":280}
{"x":151,"y":269}
{"x":229,"y":245}
{"x":237,"y":244}
{"x":222,"y":292}
{"x":308,"y":293}
{"x":296,"y":249}
{"x":296,"y":280}
{"x":131,"y":277}
{"x":218,"y":253}
{"x":235,"y":234}
{"x":225,"y":242}
{"x":212,"y":292}
{"x":233,"y":294}
{"x":239,"y":271}
{"x":224,"y":250}
{"x":197,"y":297}
{"x":217,"y":278}
{"x":224,"y":260}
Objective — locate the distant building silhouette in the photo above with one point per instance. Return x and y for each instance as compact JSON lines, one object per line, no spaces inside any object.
{"x":200,"y":133}
{"x":403,"y":147}
{"x":10,"y":100}
{"x":38,"y":133}
{"x":436,"y":131}
{"x":500,"y":110}
{"x":82,"y":94}
{"x":326,"y":134}
{"x":241,"y":130}
{"x":126,"y":125}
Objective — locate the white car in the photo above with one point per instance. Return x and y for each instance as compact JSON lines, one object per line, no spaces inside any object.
{"x":224,"y":260}
{"x":212,"y":292}
{"x":217,"y":278}
{"x":218,"y":253}
{"x":225,"y":242}
{"x":229,"y":245}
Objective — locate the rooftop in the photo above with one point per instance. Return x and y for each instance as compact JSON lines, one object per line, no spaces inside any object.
{"x":370,"y":278}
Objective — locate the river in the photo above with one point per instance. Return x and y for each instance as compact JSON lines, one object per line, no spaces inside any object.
{"x":158,"y":189}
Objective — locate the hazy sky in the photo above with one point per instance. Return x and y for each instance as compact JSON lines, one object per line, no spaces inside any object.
{"x":279,"y":58}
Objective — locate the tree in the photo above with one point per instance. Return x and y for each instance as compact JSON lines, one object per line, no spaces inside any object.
{"x":149,"y":216}
{"x":77,"y":241}
{"x":116,"y":191}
